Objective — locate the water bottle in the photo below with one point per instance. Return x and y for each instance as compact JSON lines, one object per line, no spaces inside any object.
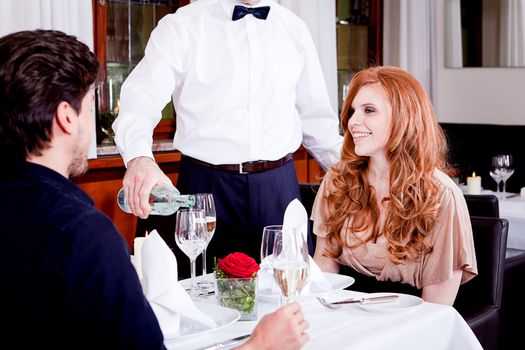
{"x":163,"y":201}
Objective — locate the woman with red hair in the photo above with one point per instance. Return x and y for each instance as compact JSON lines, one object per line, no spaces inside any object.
{"x":389,"y":208}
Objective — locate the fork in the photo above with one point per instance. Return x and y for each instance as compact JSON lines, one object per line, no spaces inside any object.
{"x":378,"y":299}
{"x":327,"y":304}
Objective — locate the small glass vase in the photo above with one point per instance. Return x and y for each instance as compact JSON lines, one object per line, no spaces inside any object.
{"x":239,"y":294}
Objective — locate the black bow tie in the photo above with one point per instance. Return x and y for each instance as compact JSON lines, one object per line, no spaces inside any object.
{"x":258,"y":12}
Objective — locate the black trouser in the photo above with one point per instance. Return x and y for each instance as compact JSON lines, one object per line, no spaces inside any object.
{"x":245,"y":203}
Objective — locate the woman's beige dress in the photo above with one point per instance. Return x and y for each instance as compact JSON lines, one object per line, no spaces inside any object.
{"x":453,"y":246}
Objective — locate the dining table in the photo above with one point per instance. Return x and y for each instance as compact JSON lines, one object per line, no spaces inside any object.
{"x":513,"y":209}
{"x":419,"y":325}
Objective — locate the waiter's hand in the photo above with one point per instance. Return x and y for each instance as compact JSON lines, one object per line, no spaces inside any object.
{"x":141,"y":176}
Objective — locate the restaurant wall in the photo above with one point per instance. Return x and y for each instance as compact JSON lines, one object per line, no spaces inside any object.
{"x":475,"y":95}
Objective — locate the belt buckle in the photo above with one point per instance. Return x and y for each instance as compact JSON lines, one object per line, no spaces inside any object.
{"x":241,"y":170}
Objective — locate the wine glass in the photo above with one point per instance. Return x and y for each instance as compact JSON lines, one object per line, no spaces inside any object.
{"x":495,"y":172}
{"x":205,"y":202}
{"x":507,"y":169}
{"x":271,"y":234}
{"x":191,"y":235}
{"x":290,"y":264}
{"x":502,"y":168}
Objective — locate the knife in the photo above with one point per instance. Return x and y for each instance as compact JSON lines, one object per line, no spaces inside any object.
{"x":226,"y":344}
{"x":370,"y":300}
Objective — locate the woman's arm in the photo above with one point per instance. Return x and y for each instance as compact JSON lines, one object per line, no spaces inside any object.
{"x":326,"y":264}
{"x":444,"y":292}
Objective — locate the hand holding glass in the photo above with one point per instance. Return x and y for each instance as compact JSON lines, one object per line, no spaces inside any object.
{"x":191,"y":235}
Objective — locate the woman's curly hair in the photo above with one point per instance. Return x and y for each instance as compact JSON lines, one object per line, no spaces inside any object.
{"x":416,"y":147}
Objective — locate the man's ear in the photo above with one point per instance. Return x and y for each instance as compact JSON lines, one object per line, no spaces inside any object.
{"x":66,"y":118}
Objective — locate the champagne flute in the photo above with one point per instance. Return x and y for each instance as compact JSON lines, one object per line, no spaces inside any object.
{"x":290,"y":264}
{"x":506,"y":170}
{"x":205,"y":202}
{"x":191,"y":236}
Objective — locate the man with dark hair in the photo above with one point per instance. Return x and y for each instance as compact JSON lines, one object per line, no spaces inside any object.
{"x":67,"y":279}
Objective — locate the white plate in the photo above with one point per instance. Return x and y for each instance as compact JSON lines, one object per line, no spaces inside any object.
{"x":404,"y":303}
{"x":337,"y":282}
{"x":223,"y":316}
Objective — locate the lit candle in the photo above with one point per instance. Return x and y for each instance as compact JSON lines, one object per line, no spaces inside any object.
{"x":137,"y":253}
{"x":474,"y":184}
{"x":117,"y":107}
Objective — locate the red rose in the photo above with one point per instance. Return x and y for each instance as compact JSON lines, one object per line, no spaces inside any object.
{"x":239,"y":265}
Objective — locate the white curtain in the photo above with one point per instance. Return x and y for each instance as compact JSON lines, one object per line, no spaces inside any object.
{"x":512,"y":34}
{"x":74,"y":17}
{"x":319,"y":16}
{"x":453,"y":43}
{"x":408,"y":34}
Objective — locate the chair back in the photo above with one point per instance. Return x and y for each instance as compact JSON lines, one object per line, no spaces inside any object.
{"x":482,"y":205}
{"x":479,"y":300}
{"x":308,"y":191}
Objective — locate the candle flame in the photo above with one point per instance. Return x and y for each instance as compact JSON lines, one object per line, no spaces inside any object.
{"x":116,"y":110}
{"x":473,"y":174}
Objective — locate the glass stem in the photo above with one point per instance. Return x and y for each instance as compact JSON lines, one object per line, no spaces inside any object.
{"x":192,"y":263}
{"x":503,"y":193}
{"x":204,"y":272}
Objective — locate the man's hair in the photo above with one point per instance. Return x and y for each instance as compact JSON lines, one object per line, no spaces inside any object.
{"x":38,"y":70}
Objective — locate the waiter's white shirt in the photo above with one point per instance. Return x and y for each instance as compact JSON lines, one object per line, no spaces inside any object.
{"x":243,"y":90}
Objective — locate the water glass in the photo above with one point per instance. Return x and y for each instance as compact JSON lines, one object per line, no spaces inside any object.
{"x":191,"y":236}
{"x":205,"y":202}
{"x":506,"y":170}
{"x":270,"y":235}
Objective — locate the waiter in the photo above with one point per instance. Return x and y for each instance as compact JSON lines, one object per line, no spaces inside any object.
{"x":248,"y":89}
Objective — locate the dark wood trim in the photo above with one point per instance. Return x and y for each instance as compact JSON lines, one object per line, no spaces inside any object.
{"x":100,"y":29}
{"x":108,"y":162}
{"x":165,"y":130}
{"x":375,"y":39}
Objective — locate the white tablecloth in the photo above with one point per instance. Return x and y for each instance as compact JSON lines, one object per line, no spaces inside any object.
{"x":513,"y":209}
{"x":429,"y":326}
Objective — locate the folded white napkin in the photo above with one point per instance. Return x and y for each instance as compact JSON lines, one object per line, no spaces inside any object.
{"x":168,"y":299}
{"x":296,"y":217}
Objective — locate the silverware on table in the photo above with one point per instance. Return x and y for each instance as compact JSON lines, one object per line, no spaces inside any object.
{"x":227,"y":344}
{"x":366,"y":300}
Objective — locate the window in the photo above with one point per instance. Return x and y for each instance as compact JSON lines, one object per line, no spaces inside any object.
{"x":122,"y":29}
{"x":358,"y":38}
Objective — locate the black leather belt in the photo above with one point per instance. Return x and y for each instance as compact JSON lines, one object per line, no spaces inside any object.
{"x":247,"y":167}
